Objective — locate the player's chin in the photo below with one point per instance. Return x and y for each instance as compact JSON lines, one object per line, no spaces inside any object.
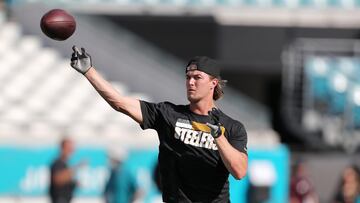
{"x":192,"y":98}
{"x":189,"y":95}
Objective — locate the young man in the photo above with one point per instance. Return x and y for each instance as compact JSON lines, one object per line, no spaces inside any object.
{"x":62,"y":184}
{"x":199,"y":144}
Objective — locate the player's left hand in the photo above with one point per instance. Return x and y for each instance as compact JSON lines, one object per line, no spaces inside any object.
{"x":215,"y":128}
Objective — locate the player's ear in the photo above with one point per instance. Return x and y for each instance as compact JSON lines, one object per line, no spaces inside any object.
{"x":214,"y":82}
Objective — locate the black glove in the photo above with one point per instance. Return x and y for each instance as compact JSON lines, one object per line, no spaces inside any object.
{"x":80,"y":61}
{"x":215,"y":128}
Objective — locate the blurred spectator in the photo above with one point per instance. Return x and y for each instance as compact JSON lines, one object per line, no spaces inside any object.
{"x":156,"y":196}
{"x":148,"y":186}
{"x":301,"y":188}
{"x":62,"y":183}
{"x":156,"y":177}
{"x":2,"y":11}
{"x":112,"y":186}
{"x":349,"y":187}
{"x":136,"y":182}
{"x":6,"y":6}
{"x":262,"y":176}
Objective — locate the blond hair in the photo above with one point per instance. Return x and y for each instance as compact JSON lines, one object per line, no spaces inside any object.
{"x":218,"y":91}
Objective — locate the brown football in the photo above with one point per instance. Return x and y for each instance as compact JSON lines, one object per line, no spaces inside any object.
{"x":58,"y":24}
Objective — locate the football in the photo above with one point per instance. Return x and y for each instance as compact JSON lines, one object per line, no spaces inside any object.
{"x":58,"y":24}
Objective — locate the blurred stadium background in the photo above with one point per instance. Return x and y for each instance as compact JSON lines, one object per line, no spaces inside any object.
{"x":293,"y":68}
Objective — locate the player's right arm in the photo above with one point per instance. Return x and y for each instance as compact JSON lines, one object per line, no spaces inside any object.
{"x":126,"y":105}
{"x":81,"y":61}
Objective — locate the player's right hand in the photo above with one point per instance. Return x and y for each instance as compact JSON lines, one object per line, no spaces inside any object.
{"x":80,"y":61}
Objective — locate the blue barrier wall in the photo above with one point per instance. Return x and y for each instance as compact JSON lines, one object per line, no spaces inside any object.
{"x":24,"y":172}
{"x":278,"y":158}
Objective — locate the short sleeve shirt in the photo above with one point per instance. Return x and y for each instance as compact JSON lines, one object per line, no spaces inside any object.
{"x":64,"y":192}
{"x":190,"y":165}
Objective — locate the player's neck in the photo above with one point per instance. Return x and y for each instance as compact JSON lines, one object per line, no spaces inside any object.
{"x":201,"y":107}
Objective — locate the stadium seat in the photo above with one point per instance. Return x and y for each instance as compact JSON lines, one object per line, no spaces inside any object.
{"x":316,"y":71}
{"x":17,"y":114}
{"x":353,"y":115}
{"x":339,"y":85}
{"x":348,"y":66}
{"x":29,"y":44}
{"x":9,"y":34}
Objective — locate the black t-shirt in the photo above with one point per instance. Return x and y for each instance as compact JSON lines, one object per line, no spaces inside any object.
{"x":64,"y":192}
{"x":190,"y":164}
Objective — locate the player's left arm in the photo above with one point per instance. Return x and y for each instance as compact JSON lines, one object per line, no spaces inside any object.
{"x":235,"y":161}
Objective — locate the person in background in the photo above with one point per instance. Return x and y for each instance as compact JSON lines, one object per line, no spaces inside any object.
{"x":348,"y":190}
{"x":62,"y":183}
{"x":112,"y":186}
{"x":301,"y":188}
